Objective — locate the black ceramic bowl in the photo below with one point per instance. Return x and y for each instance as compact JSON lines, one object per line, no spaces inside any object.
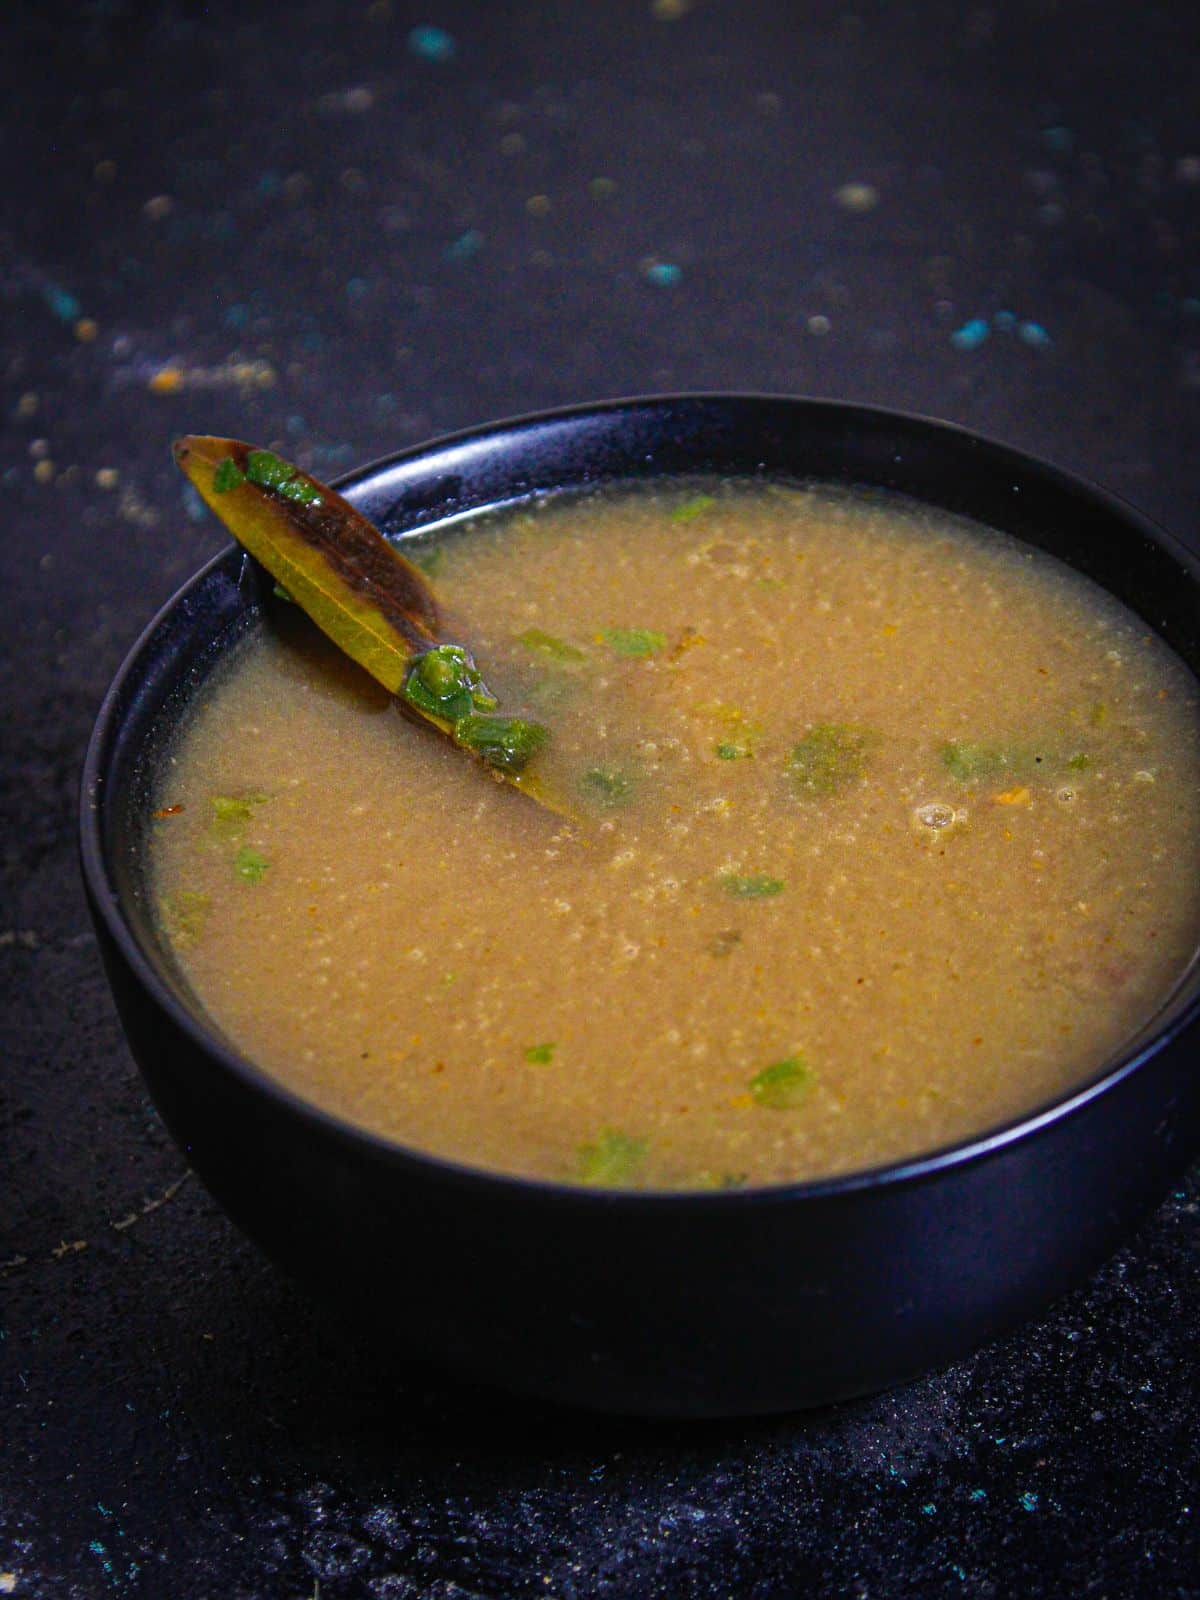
{"x":684,"y":1304}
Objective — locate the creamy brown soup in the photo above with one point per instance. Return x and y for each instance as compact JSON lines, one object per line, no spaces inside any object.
{"x":890,"y":835}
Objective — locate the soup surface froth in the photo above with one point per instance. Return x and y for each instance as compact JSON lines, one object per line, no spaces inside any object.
{"x":890,"y":834}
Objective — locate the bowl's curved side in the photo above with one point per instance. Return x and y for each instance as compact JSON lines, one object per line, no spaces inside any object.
{"x":698,"y":1305}
{"x":668,"y":1304}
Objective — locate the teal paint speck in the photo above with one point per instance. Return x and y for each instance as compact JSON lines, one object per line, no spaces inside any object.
{"x":978,"y":1494}
{"x":663,"y":274}
{"x":194,"y":507}
{"x":1029,"y":1501}
{"x":1004,"y":321}
{"x":971,"y":335}
{"x":63,"y":304}
{"x":432,"y":44}
{"x":928,"y":1509}
{"x":1032,"y":333}
{"x":466,"y":246}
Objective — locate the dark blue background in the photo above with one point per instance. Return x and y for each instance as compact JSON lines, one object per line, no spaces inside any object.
{"x":309,"y":227}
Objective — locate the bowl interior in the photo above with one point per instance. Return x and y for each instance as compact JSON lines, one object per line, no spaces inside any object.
{"x":743,"y":436}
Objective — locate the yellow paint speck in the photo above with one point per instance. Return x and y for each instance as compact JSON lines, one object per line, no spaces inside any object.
{"x":1019,"y":796}
{"x":44,"y":471}
{"x":166,"y":381}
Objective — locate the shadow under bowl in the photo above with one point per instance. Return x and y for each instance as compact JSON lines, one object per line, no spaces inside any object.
{"x":684,"y":1304}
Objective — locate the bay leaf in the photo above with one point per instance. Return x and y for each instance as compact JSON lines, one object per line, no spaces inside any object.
{"x":359,"y":590}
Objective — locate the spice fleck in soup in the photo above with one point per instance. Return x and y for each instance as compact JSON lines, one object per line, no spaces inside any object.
{"x":889,"y":834}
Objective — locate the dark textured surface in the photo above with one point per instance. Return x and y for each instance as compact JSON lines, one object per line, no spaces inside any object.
{"x":272,"y":227}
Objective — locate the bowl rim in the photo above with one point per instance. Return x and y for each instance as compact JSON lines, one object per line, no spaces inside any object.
{"x":381,"y":1148}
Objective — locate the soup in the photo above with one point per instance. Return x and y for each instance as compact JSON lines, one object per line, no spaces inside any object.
{"x":887,"y":833}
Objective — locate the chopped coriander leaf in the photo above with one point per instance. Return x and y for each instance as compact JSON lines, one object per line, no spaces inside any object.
{"x":970,"y":762}
{"x":693,"y":508}
{"x":783,"y":1085}
{"x":607,"y":786}
{"x":227,"y":475}
{"x":445,"y":670}
{"x":231,"y":812}
{"x":967,"y":761}
{"x":732,"y":752}
{"x":751,"y":886}
{"x":184,"y":914}
{"x":506,"y":743}
{"x":268,"y":470}
{"x":301,"y":491}
{"x":444,"y":682}
{"x":250,"y":864}
{"x":540,"y":1055}
{"x":281,"y":593}
{"x":830,"y":756}
{"x":547,"y":644}
{"x":610,"y":1160}
{"x":634,"y":641}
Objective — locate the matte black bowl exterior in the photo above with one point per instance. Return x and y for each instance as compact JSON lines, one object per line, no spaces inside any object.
{"x":655,"y":1303}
